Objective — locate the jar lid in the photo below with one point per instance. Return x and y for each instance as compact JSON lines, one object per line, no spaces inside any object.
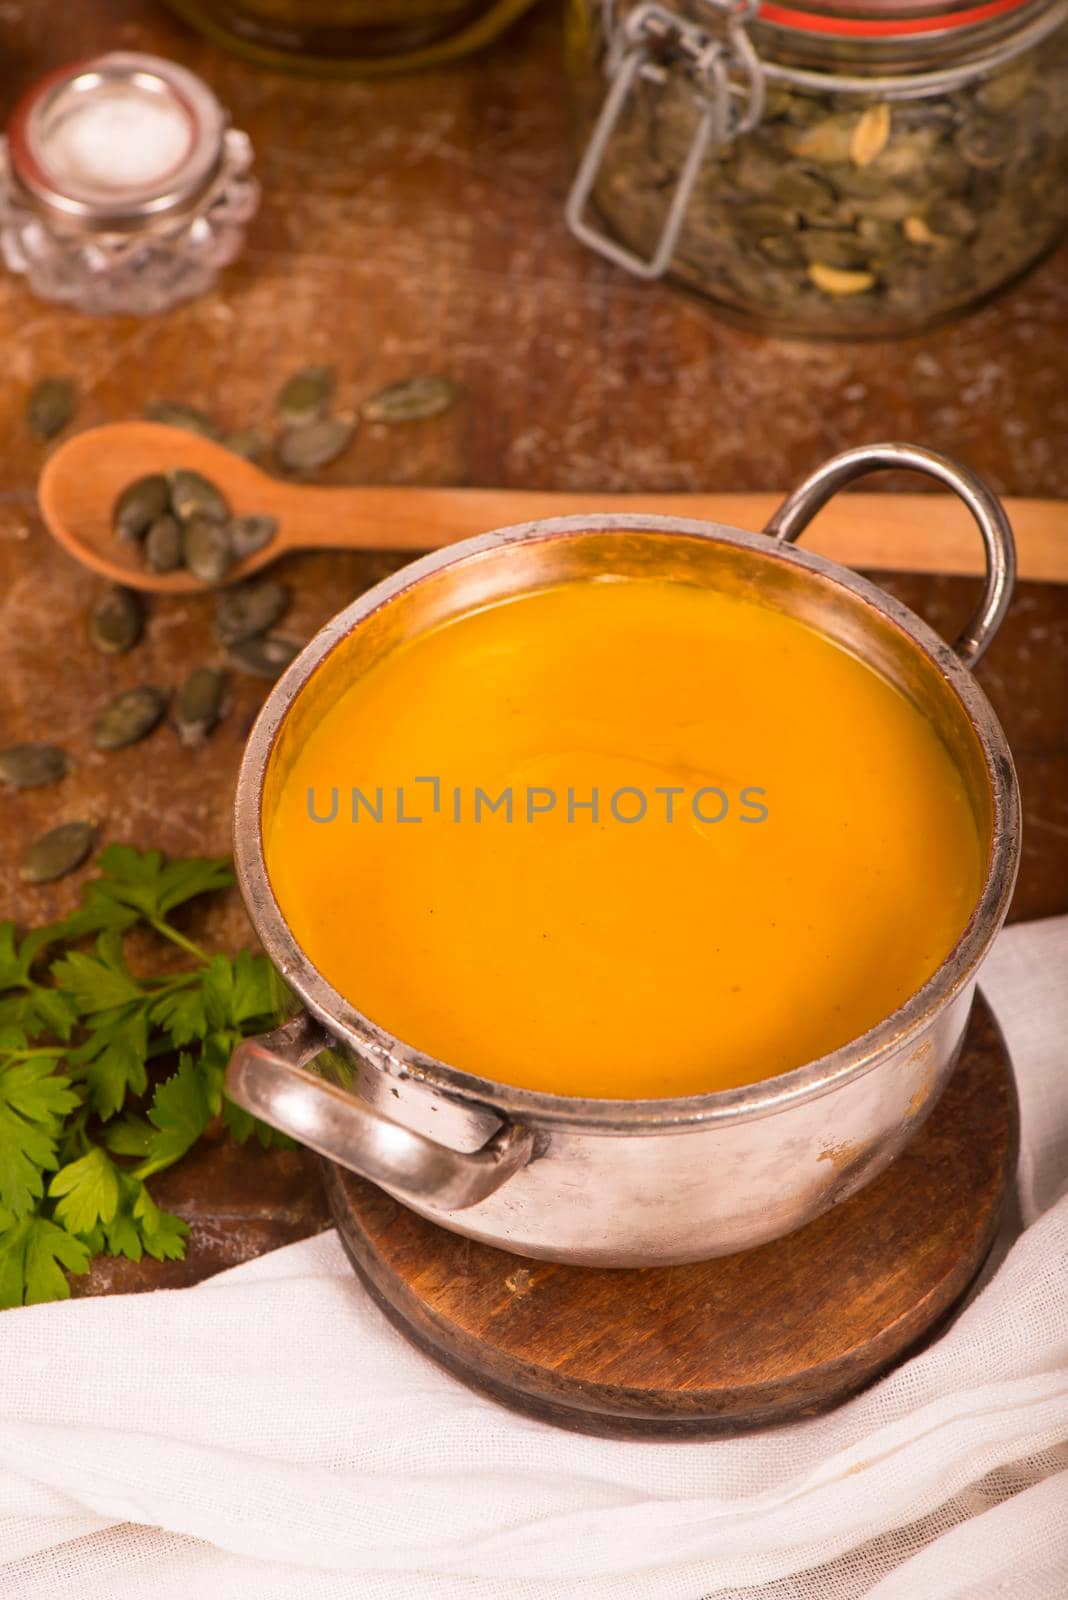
{"x":888,"y":19}
{"x":117,"y":141}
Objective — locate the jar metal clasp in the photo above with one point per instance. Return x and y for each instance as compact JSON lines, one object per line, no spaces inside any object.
{"x":728,"y":81}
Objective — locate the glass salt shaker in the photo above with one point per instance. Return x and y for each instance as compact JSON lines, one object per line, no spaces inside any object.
{"x":122,"y":187}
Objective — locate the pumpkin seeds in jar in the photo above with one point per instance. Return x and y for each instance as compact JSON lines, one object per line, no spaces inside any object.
{"x":117,"y":621}
{"x":193,"y":495}
{"x":32,"y":766}
{"x":412,"y":400}
{"x":139,"y":504}
{"x":162,"y":548}
{"x":129,"y":718}
{"x":316,"y":444}
{"x":265,"y":656}
{"x":923,"y":202}
{"x":206,"y":549}
{"x":50,"y":407}
{"x":57,"y":852}
{"x":198,"y":704}
{"x":249,"y":609}
{"x":249,"y":534}
{"x":305,"y":395}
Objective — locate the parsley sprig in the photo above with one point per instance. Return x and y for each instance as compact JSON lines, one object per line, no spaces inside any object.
{"x":107,"y":1076}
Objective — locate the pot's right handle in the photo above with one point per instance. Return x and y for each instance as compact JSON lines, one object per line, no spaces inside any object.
{"x":798,"y":509}
{"x":266,"y":1076}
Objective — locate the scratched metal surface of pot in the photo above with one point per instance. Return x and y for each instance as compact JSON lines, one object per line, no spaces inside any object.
{"x":632,"y":1182}
{"x":848,"y":170}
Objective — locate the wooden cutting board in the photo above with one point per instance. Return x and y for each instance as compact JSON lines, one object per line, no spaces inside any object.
{"x":743,"y":1341}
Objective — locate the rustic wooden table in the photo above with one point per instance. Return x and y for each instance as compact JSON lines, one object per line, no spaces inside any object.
{"x":416,"y":225}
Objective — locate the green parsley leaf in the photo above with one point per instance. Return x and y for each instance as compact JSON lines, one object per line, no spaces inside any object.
{"x":179,"y":1113}
{"x":17,"y":960}
{"x":51,"y":1011}
{"x":139,"y":879}
{"x":86,"y":1012}
{"x":87,"y":1192}
{"x":114,"y":1057}
{"x":33,"y":1254}
{"x":181,"y":1013}
{"x":97,"y":913}
{"x":162,"y":1233}
{"x":33,"y":1100}
{"x":95,"y":984}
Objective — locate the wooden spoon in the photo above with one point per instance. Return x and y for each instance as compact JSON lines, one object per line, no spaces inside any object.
{"x":83,"y":478}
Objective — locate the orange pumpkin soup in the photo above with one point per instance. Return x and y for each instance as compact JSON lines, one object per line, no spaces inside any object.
{"x":624,"y":838}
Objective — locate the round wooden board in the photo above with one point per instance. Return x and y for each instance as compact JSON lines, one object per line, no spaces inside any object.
{"x":741,"y":1341}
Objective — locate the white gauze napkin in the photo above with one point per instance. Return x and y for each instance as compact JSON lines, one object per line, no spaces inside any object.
{"x":267,"y":1434}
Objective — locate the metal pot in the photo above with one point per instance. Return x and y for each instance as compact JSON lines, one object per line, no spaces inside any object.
{"x":634,"y":1182}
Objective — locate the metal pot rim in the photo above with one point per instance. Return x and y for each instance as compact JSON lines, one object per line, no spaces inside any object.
{"x":388,"y":1053}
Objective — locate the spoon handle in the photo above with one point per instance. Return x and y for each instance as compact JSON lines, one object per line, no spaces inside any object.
{"x":880,"y":532}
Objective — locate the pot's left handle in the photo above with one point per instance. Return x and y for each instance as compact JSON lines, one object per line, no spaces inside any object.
{"x":267,"y":1076}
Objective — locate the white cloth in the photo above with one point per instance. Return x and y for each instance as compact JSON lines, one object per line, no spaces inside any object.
{"x":267,"y":1434}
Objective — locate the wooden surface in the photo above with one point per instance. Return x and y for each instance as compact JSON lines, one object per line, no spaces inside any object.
{"x":415,"y":225}
{"x":674,"y":1350}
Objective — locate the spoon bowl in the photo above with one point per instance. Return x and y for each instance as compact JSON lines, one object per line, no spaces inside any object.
{"x":83,"y":479}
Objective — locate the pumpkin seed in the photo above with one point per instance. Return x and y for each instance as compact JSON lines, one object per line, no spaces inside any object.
{"x":807,"y":192}
{"x":57,"y":852}
{"x":870,"y":135}
{"x":248,"y":443}
{"x":988,"y":142}
{"x":249,"y":609}
{"x":206,"y":549}
{"x":249,"y":534}
{"x":315,"y":444}
{"x":754,"y":171}
{"x":139,"y":504}
{"x":32,"y":766}
{"x":193,"y":495}
{"x":826,"y":142}
{"x":782,"y":248}
{"x":117,"y":621}
{"x":1007,"y":89}
{"x":198,"y":704}
{"x":305,"y":395}
{"x":831,"y":247}
{"x":178,"y":415}
{"x":265,"y":656}
{"x":916,"y":231}
{"x":761,"y":218}
{"x":50,"y":407}
{"x":163,"y":545}
{"x":412,"y":400}
{"x":130,"y":717}
{"x":957,"y":219}
{"x":833,"y":280}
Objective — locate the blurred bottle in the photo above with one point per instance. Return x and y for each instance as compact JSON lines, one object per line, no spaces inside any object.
{"x":350,"y":38}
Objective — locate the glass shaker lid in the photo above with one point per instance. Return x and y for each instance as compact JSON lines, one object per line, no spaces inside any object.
{"x":116,"y":141}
